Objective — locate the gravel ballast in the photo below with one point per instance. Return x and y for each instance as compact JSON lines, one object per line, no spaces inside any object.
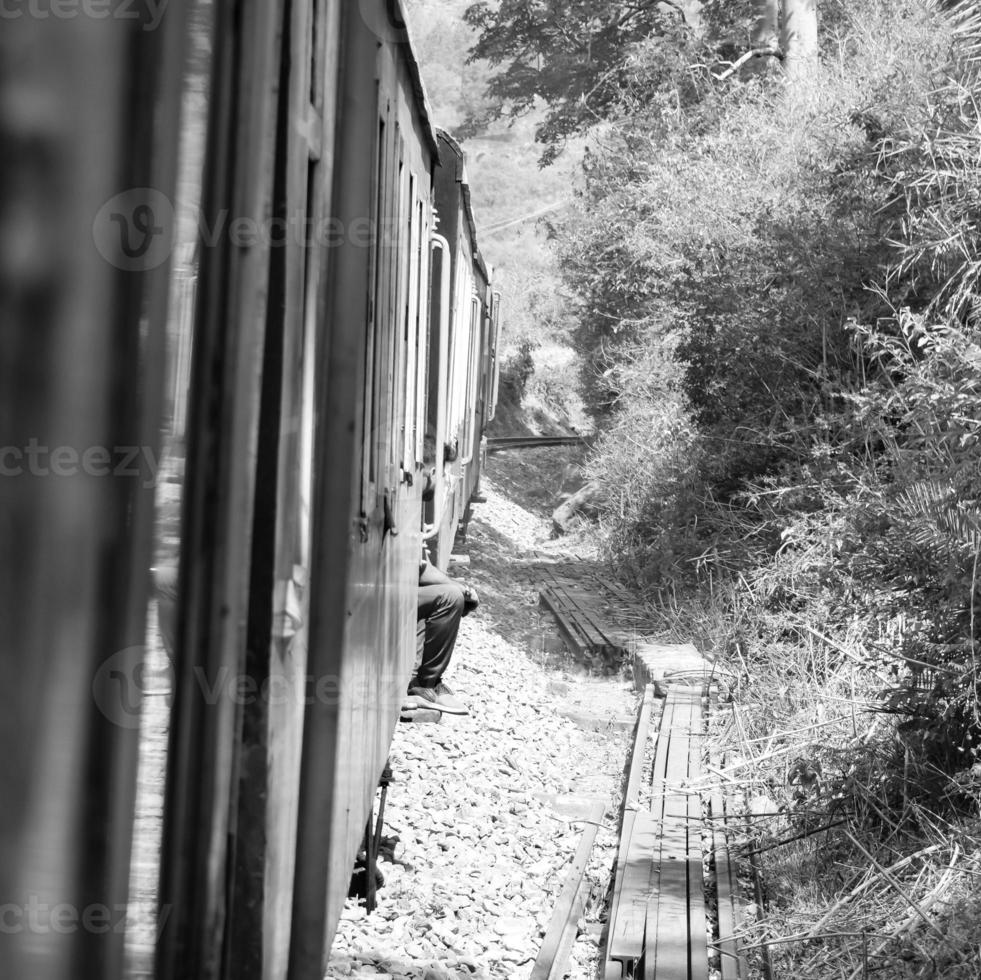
{"x":488,"y":808}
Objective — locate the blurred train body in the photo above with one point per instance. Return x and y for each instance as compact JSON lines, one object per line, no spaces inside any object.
{"x":317,"y":319}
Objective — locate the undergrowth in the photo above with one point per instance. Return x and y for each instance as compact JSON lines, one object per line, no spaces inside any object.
{"x":870,"y":857}
{"x":780,"y":324}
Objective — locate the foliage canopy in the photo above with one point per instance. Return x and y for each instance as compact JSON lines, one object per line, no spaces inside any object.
{"x":589,"y":59}
{"x":777,"y":304}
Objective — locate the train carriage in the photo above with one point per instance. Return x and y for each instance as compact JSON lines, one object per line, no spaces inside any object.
{"x":223,"y":256}
{"x":465,"y":323}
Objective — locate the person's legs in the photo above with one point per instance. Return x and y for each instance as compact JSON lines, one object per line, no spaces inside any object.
{"x":441,"y":608}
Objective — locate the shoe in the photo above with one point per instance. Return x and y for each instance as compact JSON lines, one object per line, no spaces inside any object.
{"x":358,"y":886}
{"x":439,"y":697}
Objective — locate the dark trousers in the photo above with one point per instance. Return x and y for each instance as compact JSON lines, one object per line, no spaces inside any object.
{"x":440,"y":612}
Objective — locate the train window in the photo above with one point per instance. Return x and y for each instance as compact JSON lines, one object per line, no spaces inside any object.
{"x":422,"y":338}
{"x":460,"y":344}
{"x":473,"y":354}
{"x":400,"y":260}
{"x":452,"y":372}
{"x":316,"y":54}
{"x":372,"y":388}
{"x":410,"y":328}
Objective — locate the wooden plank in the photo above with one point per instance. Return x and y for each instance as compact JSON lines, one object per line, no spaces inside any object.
{"x":626,"y":936}
{"x":661,"y":754}
{"x":732,"y":964}
{"x":697,"y":931}
{"x":670,"y":929}
{"x":570,"y":636}
{"x":626,"y":942}
{"x":670,"y":952}
{"x":561,"y":932}
{"x":560,"y":604}
{"x":670,"y":661}
{"x":618,"y":592}
{"x":584,"y":606}
{"x":625,"y":833}
{"x":657,"y":812}
{"x":639,"y":748}
{"x":729,"y":963}
{"x":577,"y":628}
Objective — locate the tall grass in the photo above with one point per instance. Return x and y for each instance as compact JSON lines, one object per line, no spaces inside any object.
{"x":782,"y":307}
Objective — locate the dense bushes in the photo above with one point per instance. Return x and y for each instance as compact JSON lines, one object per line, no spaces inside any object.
{"x":777,"y":310}
{"x":516,"y":371}
{"x":914,"y":530}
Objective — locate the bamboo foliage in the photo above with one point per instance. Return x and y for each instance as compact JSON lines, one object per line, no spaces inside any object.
{"x":939,"y":519}
{"x":935,"y":175}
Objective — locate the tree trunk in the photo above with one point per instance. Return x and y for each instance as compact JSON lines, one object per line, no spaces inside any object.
{"x":765,"y":33}
{"x":799,"y":36}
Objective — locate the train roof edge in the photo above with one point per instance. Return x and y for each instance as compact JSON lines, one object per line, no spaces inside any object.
{"x":443,"y":136}
{"x":415,"y":72}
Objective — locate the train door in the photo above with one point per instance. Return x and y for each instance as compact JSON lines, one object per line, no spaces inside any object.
{"x":88,"y":123}
{"x":495,"y":344}
{"x":437,"y":384}
{"x":471,"y":420}
{"x":243,"y":518}
{"x":153,"y":681}
{"x":264,"y":823}
{"x":363,"y":570}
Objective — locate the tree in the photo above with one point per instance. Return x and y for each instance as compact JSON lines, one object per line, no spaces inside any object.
{"x":765,"y":32}
{"x":591,"y":61}
{"x":799,"y":36}
{"x":584,"y":58}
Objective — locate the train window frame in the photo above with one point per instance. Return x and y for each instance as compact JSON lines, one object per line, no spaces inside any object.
{"x":453,"y":357}
{"x":377,"y":206}
{"x":316,"y":67}
{"x":459,"y":340}
{"x":423,"y":336}
{"x":396,"y":347}
{"x":473,"y":367}
{"x":409,"y":327}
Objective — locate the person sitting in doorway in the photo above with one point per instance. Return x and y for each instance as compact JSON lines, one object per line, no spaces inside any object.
{"x":442,"y":603}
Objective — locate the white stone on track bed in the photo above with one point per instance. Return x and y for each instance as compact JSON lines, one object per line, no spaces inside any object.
{"x":481,"y":803}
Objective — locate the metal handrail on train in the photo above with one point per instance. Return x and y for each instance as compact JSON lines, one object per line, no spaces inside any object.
{"x":437,"y":241}
{"x":472,"y":419}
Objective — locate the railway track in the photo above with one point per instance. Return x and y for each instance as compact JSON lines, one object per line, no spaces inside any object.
{"x":500,"y":443}
{"x":676,"y":909}
{"x":675,"y":906}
